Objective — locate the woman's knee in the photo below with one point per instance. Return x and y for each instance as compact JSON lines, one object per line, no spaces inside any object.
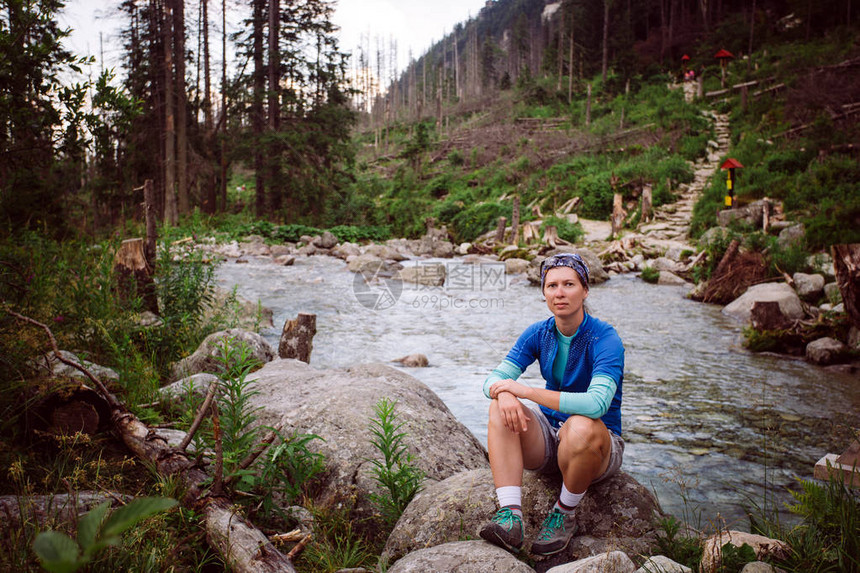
{"x":580,"y":434}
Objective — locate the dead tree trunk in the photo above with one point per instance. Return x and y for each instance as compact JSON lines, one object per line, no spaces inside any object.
{"x":647,"y":212}
{"x":297,"y":337}
{"x":134,"y":275}
{"x":550,"y":236}
{"x":617,"y":214}
{"x":515,"y":222}
{"x":846,"y":261}
{"x":500,"y":230}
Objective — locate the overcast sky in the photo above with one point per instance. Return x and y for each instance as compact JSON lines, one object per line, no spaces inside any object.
{"x":414,"y":24}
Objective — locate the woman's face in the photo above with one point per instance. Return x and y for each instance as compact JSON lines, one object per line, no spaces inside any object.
{"x":564,"y":292}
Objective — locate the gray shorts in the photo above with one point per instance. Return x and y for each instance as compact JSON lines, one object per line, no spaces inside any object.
{"x":550,"y":440}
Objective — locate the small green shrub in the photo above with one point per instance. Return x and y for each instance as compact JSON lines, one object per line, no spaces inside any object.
{"x":97,"y":530}
{"x":396,"y":475}
{"x":682,"y":549}
{"x":650,"y":275}
{"x":476,"y":219}
{"x":456,"y":158}
{"x":570,"y":232}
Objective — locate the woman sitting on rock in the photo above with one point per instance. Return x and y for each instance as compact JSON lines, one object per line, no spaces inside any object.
{"x":576,"y":429}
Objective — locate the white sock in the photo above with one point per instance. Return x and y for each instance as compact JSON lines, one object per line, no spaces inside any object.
{"x":567,"y":501}
{"x":510,"y":495}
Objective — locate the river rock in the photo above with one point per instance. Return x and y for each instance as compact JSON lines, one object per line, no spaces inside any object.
{"x":516,"y":266}
{"x":826,"y":351}
{"x":758,"y":567}
{"x":666,"y":264}
{"x":413,"y":361}
{"x":384,"y":252}
{"x":208,"y":356}
{"x":822,"y":263}
{"x":237,"y":311}
{"x":197,"y":384}
{"x":325,"y":241}
{"x":49,"y":363}
{"x":791,"y":236}
{"x":338,"y":404}
{"x":464,"y":248}
{"x":308,"y":250}
{"x":611,"y":562}
{"x":713,"y":235}
{"x":832,"y":292}
{"x":808,"y":287}
{"x":615,"y":514}
{"x":427,"y":274}
{"x":789,"y":302}
{"x":345,"y":250}
{"x":750,"y":214}
{"x":285,"y":260}
{"x":763,"y":547}
{"x":662,"y":564}
{"x":280,"y":250}
{"x":462,"y":557}
{"x":670,"y":279}
{"x":372,"y":265}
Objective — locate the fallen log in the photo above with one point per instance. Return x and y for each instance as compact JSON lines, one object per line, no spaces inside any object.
{"x":243,"y":547}
{"x":42,"y":510}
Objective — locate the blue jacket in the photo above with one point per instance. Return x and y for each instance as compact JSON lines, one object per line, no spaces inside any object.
{"x":595,"y":349}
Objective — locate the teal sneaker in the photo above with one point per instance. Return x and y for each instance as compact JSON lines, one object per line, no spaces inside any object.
{"x":505,"y":530}
{"x":557,"y":530}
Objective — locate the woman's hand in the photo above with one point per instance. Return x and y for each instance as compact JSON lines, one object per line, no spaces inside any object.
{"x":512,"y":386}
{"x":513,"y":412}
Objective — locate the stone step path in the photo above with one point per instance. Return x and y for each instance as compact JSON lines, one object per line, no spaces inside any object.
{"x":670,"y":226}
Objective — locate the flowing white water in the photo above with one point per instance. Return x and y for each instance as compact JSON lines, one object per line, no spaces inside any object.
{"x":708,"y":426}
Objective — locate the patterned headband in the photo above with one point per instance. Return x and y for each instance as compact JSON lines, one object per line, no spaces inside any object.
{"x":572,"y":260}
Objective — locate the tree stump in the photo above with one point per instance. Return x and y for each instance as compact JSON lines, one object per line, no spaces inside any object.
{"x":134,"y":274}
{"x":647,"y":210}
{"x":550,"y":236}
{"x":297,"y":337}
{"x":617,"y":214}
{"x":500,"y":230}
{"x":766,"y":315}
{"x":515,"y":222}
{"x":846,"y":261}
{"x":531,"y":233}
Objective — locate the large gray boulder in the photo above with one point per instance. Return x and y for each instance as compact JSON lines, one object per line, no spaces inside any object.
{"x":808,"y":287}
{"x":426,"y":274}
{"x":209,"y":356}
{"x":384,"y":252}
{"x":337,"y":405}
{"x":196,"y":385}
{"x":610,"y":562}
{"x":372,"y":265}
{"x":325,"y":241}
{"x":615,"y":514}
{"x":460,"y":557}
{"x":791,"y":236}
{"x":49,"y":363}
{"x":826,"y":351}
{"x":789,"y":302}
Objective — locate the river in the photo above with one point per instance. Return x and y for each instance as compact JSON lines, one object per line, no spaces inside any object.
{"x":711,"y":428}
